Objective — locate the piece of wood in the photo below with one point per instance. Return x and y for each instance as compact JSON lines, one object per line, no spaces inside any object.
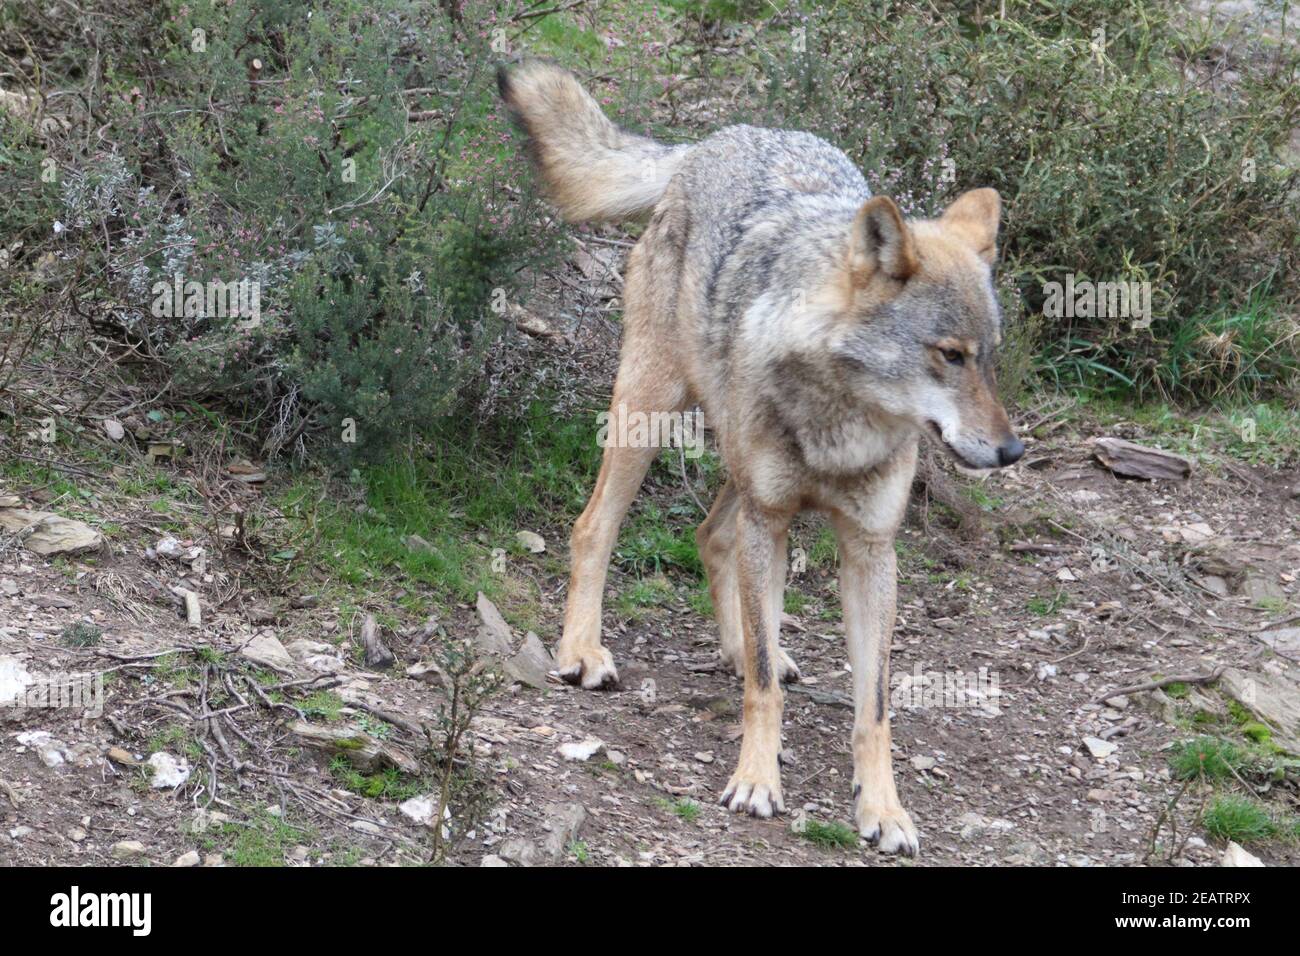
{"x":377,"y":653}
{"x":365,"y":752}
{"x":1137,"y":461}
{"x":1164,"y":682}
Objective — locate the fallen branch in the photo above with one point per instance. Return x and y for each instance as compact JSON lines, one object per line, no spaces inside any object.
{"x":1209,"y":678}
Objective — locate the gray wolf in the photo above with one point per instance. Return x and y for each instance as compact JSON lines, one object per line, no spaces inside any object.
{"x":820,"y":332}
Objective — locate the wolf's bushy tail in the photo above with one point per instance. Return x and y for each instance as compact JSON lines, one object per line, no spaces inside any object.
{"x":590,"y":167}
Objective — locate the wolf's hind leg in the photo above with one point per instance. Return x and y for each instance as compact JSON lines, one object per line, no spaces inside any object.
{"x":716,"y":541}
{"x":648,"y":382}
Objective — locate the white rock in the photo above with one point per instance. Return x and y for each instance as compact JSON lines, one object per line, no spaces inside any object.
{"x":168,"y":771}
{"x":14,"y":680}
{"x":1100,"y":749}
{"x":531,"y":541}
{"x":188,"y":859}
{"x":266,"y":650}
{"x":582,"y":749}
{"x":1234,"y":855}
{"x":418,"y":809}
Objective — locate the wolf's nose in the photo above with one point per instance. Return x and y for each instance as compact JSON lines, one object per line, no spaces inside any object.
{"x":1009,"y":452}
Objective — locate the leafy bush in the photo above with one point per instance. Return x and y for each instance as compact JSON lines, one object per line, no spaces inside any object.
{"x":1120,"y":150}
{"x":347,"y":162}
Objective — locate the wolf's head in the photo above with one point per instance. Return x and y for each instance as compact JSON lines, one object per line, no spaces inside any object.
{"x":920,"y":323}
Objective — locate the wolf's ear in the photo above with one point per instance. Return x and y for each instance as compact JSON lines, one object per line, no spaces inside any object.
{"x":974,"y":217}
{"x":882,"y":240}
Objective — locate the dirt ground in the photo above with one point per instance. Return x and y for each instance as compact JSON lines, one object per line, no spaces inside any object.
{"x":1082,"y":583}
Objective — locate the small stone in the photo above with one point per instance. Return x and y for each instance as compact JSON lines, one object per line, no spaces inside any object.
{"x":214,"y":859}
{"x":187,"y":859}
{"x":581,"y":750}
{"x":493,"y":860}
{"x":128,"y":850}
{"x":531,"y":541}
{"x":1100,"y":749}
{"x":921,"y":763}
{"x":704,"y":756}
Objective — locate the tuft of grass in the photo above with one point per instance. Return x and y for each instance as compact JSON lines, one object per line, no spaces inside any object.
{"x":829,"y":836}
{"x":634,"y":602}
{"x":264,"y":840}
{"x":323,"y":704}
{"x":688,"y":811}
{"x":387,"y":784}
{"x":82,"y":634}
{"x":1246,"y":820}
{"x":651,"y":543}
{"x":1208,"y":757}
{"x":1046,"y":607}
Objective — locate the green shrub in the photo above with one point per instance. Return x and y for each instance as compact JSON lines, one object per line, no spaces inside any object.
{"x":350,"y":163}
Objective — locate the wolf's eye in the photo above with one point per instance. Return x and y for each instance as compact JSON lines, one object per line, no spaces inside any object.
{"x":954,"y":356}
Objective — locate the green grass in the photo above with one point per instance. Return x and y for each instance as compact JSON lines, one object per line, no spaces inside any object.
{"x":829,"y":836}
{"x":1208,"y":757}
{"x":635,"y":601}
{"x":1265,"y":433}
{"x":651,"y":544}
{"x":386,"y":784}
{"x":467,"y":499}
{"x":688,"y":811}
{"x":1247,"y":820}
{"x":1046,"y":607}
{"x":323,"y":704}
{"x":81,"y":634}
{"x":171,"y":669}
{"x":796,"y":602}
{"x":265,"y":840}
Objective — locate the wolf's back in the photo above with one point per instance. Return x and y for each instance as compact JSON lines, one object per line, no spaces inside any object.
{"x":591,"y":168}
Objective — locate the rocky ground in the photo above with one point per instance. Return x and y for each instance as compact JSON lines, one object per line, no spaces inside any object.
{"x":219,"y":741}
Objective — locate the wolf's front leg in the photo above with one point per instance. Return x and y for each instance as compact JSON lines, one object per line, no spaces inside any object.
{"x":868,"y":590}
{"x":755,"y":787}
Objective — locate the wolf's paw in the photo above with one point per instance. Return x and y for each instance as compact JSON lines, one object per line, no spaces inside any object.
{"x":592,"y":668}
{"x":759,"y":795}
{"x":888,"y":828}
{"x":787,"y":671}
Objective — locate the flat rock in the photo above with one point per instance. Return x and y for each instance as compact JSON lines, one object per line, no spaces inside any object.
{"x":1285,"y":641}
{"x":50,"y":534}
{"x":563,"y":820}
{"x":532,"y":663}
{"x":265,"y":649}
{"x":1100,"y":749}
{"x":494,"y":635}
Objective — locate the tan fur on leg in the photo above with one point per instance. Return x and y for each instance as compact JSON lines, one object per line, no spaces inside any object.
{"x":755,"y":787}
{"x":868,"y":594}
